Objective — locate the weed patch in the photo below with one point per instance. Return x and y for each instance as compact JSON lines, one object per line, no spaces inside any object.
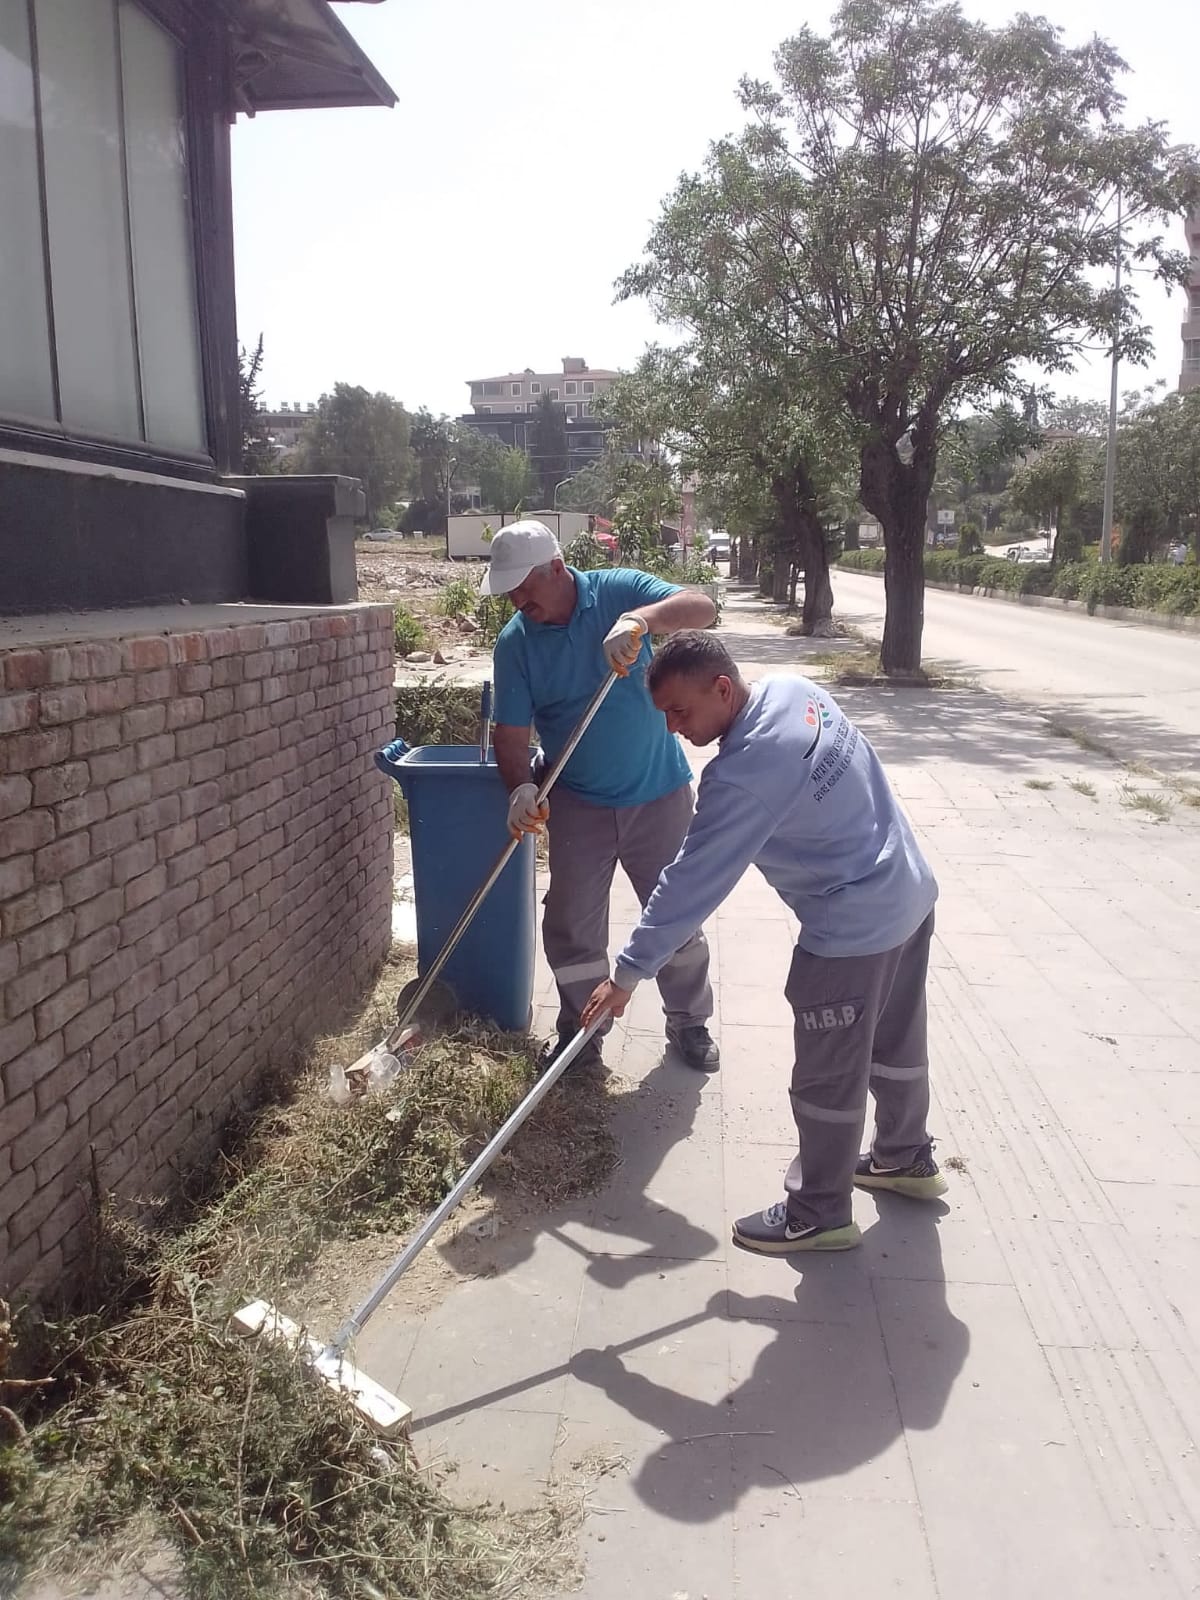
{"x":1158,"y":805}
{"x":140,"y":1421}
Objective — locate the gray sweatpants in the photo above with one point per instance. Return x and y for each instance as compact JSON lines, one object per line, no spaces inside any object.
{"x":586,"y":843}
{"x":860,"y":1022}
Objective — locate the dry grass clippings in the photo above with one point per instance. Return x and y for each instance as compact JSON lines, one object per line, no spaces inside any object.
{"x":140,"y":1419}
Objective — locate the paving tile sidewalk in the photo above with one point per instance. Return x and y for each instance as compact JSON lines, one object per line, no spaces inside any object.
{"x":992,"y":1398}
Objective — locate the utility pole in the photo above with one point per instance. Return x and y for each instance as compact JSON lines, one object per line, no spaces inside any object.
{"x":1110,"y":460}
{"x":450,"y":466}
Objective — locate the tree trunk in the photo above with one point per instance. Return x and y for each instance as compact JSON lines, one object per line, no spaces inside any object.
{"x":781,"y":568}
{"x":747,"y":559}
{"x":818,"y":598}
{"x":898,"y":494}
{"x":796,"y":500}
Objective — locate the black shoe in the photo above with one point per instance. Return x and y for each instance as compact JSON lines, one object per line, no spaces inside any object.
{"x":919,"y":1181}
{"x":589,"y":1056}
{"x":696,"y":1045}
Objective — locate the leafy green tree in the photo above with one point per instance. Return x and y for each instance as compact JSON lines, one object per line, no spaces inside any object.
{"x":1158,"y":476}
{"x":1049,"y":487}
{"x":360,"y":435}
{"x":736,"y":417}
{"x":930,"y":207}
{"x":258,"y":453}
{"x":969,"y":542}
{"x":647,"y":497}
{"x":506,"y":478}
{"x":433,"y":442}
{"x":1071,"y":414}
{"x":593,"y":489}
{"x":552,"y":460}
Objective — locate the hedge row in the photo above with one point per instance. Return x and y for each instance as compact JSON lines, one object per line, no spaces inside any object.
{"x":1173,"y":590}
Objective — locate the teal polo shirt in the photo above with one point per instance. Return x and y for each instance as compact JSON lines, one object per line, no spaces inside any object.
{"x":545,"y":675}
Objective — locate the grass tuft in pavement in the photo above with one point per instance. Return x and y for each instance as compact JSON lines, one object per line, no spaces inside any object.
{"x":1158,"y":805}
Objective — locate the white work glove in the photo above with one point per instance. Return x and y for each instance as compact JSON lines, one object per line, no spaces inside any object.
{"x":623,"y":643}
{"x":524,"y":813}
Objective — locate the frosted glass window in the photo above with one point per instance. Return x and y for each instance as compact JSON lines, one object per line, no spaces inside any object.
{"x":160,"y":227}
{"x":86,"y":214}
{"x":26,"y":380}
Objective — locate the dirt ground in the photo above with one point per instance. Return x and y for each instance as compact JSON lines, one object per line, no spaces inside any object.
{"x":413,"y":573}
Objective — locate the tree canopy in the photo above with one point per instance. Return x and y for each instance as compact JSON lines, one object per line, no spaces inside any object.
{"x":552,"y":459}
{"x":364,"y":436}
{"x":922,"y":207}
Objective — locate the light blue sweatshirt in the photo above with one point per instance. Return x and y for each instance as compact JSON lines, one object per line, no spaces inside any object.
{"x":798,"y":792}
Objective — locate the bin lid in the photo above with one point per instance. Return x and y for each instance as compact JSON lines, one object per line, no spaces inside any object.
{"x":446,"y":757}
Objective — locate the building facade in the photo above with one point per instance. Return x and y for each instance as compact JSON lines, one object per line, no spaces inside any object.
{"x":119,"y":390}
{"x":577,"y":387}
{"x":504,"y":408}
{"x":195,"y":849}
{"x":1189,"y":376}
{"x":286,"y":422}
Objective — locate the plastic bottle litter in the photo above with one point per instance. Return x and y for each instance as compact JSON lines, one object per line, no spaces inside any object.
{"x":339,"y":1089}
{"x":384,"y":1067}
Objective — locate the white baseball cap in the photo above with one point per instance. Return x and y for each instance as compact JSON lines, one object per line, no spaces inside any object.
{"x":515,"y":551}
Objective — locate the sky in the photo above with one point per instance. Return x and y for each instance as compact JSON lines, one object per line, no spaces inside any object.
{"x":479,"y":226}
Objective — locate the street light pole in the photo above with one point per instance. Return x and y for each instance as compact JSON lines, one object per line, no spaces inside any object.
{"x":450,"y":466}
{"x":1110,"y":460}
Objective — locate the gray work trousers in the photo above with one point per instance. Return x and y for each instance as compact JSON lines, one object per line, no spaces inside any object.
{"x":586,"y":843}
{"x":859,"y":1023}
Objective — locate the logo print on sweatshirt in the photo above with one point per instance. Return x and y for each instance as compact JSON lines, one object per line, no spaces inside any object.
{"x":818,"y":718}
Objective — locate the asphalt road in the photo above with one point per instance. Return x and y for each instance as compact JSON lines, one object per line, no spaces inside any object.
{"x":1135,"y":688}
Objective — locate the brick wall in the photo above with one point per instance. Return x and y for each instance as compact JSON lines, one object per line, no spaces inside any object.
{"x":195,"y":873}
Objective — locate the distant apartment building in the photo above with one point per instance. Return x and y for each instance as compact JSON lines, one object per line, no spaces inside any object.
{"x":577,"y":387}
{"x":505,"y":407}
{"x":1189,"y":376}
{"x":287,"y":422}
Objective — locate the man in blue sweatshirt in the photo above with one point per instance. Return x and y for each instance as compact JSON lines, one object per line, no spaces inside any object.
{"x":797,"y":791}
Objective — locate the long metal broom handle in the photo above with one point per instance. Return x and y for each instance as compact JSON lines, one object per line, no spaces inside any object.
{"x":484,"y":889}
{"x":355,"y":1324}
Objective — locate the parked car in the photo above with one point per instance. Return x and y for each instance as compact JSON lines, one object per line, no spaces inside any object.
{"x":382,"y":533}
{"x":1018,"y":552}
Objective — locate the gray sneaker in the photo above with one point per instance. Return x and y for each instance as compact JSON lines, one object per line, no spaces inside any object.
{"x":696,"y":1045}
{"x":920,"y":1181}
{"x":772,"y":1233}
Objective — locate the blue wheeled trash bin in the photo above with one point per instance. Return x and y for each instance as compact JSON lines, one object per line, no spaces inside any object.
{"x":458,"y":811}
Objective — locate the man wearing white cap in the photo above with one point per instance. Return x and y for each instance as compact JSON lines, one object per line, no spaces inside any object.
{"x":625,"y":795}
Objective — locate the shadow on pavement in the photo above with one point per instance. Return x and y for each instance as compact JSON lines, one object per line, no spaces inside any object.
{"x":648,"y":1120}
{"x":820,"y":1401}
{"x":979,"y":728}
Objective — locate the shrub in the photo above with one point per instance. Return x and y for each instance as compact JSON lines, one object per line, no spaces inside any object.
{"x":585,"y":553}
{"x":1174,"y":591}
{"x":492,"y":612}
{"x":438,"y":713}
{"x":458,"y":598}
{"x":410,"y":635}
{"x":1067,"y":580}
{"x":861,"y":560}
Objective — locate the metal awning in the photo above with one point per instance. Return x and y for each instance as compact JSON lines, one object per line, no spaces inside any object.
{"x":293,"y":55}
